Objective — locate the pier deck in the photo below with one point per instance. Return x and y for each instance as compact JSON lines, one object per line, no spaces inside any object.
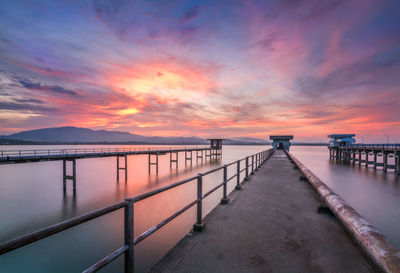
{"x":271,"y":225}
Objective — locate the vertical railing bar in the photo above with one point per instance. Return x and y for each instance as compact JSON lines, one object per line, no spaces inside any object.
{"x":225,"y":199}
{"x":199,"y":226}
{"x":129,"y":236}
{"x":238,"y":175}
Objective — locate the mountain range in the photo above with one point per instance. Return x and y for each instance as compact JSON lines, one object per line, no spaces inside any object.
{"x":71,"y":134}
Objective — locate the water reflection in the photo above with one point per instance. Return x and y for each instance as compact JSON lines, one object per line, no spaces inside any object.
{"x":32,"y":197}
{"x":69,"y":205}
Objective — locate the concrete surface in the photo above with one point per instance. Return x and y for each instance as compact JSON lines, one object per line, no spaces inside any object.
{"x":271,"y":225}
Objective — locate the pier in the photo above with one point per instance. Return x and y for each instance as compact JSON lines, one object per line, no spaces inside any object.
{"x":272,"y":225}
{"x":343,"y":149}
{"x":70,"y":156}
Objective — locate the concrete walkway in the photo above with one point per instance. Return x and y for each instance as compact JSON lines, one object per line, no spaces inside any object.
{"x":271,"y":225}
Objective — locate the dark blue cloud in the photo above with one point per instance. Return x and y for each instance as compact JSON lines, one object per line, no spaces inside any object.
{"x":26,"y":107}
{"x":47,"y":88}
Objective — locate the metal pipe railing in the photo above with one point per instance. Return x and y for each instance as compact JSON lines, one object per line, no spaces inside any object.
{"x":129,"y":241}
{"x":43,"y":233}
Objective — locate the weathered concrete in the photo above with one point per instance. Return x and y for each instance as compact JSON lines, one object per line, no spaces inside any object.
{"x":271,"y":225}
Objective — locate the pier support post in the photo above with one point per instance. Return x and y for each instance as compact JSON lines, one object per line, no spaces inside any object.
{"x":225,"y":199}
{"x":188,"y":158}
{"x":359,"y":158}
{"x":125,"y":168}
{"x":208,"y":154}
{"x":375,"y":159}
{"x":199,"y":226}
{"x":69,"y":177}
{"x":64,"y":175}
{"x":366,"y":159}
{"x":153,"y":163}
{"x":397,"y":158}
{"x":129,"y":236}
{"x":247,"y":169}
{"x":199,"y":156}
{"x":172,"y":160}
{"x":238,"y":187}
{"x":385,"y":159}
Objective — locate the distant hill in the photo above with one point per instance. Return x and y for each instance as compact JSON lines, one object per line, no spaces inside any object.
{"x":71,"y":134}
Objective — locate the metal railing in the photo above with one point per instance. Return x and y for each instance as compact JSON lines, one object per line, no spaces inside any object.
{"x":72,"y":151}
{"x":128,"y":205}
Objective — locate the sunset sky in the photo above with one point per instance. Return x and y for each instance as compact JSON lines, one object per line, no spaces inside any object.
{"x":202,"y":68}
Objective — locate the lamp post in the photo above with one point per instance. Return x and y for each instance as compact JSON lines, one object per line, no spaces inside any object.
{"x":387,"y":138}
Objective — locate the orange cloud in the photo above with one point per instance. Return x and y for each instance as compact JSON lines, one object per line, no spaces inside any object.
{"x":166,"y":81}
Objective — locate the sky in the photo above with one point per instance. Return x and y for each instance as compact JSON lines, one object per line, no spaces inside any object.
{"x":203,"y":68}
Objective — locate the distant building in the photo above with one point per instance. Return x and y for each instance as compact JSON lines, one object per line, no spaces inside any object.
{"x":281,"y":142}
{"x":341,"y":140}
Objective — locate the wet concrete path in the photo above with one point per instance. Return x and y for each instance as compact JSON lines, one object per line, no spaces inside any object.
{"x":271,"y":225}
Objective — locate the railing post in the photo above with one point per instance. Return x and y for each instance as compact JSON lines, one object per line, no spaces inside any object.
{"x":129,"y":236}
{"x":247,"y":169}
{"x":225,"y":199}
{"x":252,"y":165}
{"x":238,"y":187}
{"x":199,"y":226}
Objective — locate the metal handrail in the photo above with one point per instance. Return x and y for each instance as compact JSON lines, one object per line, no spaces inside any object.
{"x":128,"y":206}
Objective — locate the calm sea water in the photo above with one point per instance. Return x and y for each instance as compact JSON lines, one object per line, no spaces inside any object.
{"x":31,"y":197}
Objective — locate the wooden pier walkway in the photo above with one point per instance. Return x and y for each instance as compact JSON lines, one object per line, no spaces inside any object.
{"x":271,"y":225}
